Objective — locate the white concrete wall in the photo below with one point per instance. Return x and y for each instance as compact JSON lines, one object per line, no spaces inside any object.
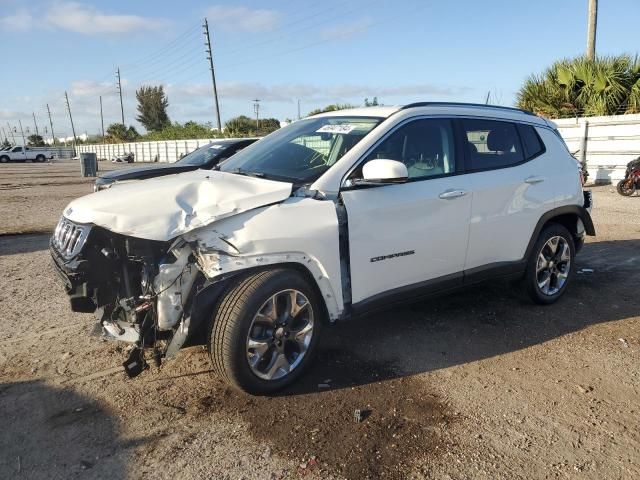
{"x":164,"y":151}
{"x":612,"y":142}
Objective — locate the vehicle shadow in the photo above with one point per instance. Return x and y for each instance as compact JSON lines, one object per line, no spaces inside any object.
{"x":53,"y":433}
{"x":16,"y":244}
{"x":479,"y":322}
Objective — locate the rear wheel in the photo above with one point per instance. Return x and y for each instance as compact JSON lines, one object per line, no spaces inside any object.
{"x":550,"y":266}
{"x":40,"y":158}
{"x":265,"y":331}
{"x":4,"y":159}
{"x":626,"y":187}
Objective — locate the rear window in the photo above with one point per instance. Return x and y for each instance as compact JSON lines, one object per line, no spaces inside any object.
{"x":492,"y":144}
{"x":530,"y":140}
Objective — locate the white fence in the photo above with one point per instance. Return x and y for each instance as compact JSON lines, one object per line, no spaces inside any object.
{"x":161,"y":151}
{"x":607,"y":143}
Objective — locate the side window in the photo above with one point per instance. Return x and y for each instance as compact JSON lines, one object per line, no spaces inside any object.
{"x":17,"y":149}
{"x":426,"y":147}
{"x":530,"y":140}
{"x":492,"y":144}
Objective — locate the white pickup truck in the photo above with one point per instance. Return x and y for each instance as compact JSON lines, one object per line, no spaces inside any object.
{"x":22,"y":154}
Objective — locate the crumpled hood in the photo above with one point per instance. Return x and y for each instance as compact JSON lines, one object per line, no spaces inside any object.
{"x":163,"y":208}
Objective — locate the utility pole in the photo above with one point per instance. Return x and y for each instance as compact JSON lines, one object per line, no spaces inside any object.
{"x":11,"y":132}
{"x":486,"y":101}
{"x":298,"y":109}
{"x":591,"y":29}
{"x":35,"y":123}
{"x":53,"y":137}
{"x":24,"y":141}
{"x":207,"y":44}
{"x":101,"y":119}
{"x":73,"y":130}
{"x":120,"y":92}
{"x":4,"y":134}
{"x":256,"y":109}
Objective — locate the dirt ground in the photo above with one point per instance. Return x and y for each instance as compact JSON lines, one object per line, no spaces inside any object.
{"x":479,"y":384}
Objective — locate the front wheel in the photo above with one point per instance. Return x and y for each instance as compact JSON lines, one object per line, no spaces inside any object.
{"x":265,"y":331}
{"x":626,"y":187}
{"x":551,"y":264}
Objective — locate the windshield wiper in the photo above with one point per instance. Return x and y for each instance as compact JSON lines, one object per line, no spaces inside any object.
{"x":248,"y":173}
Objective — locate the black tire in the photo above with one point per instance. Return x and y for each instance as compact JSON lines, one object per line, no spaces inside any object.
{"x":40,"y":158}
{"x":4,"y":159}
{"x":626,"y":190}
{"x":232,"y":321}
{"x":531,"y":285}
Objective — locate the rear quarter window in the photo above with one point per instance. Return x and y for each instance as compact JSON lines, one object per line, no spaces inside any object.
{"x":531,"y":141}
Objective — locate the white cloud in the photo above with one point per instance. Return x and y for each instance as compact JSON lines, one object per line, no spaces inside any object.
{"x":243,"y":18}
{"x":289,"y":92}
{"x":347,"y":30}
{"x":91,"y":88}
{"x":20,"y":21}
{"x":87,"y":20}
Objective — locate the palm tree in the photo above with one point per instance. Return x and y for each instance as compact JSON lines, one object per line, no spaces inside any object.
{"x":570,"y":87}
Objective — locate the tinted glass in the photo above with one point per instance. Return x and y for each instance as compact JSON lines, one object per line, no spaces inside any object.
{"x":530,"y":140}
{"x":426,"y":147}
{"x":203,"y":154}
{"x":303,"y":150}
{"x":492,"y":144}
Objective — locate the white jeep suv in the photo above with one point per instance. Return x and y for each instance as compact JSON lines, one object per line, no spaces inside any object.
{"x":327,"y":218}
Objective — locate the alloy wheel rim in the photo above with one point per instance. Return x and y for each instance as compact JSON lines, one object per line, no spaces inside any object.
{"x":553,"y":265}
{"x":280,"y":335}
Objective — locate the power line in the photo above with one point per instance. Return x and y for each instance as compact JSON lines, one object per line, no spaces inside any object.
{"x":119,"y":87}
{"x":53,"y":136}
{"x":101,"y":119}
{"x":162,"y":51}
{"x":286,"y":35}
{"x":35,"y":123}
{"x":256,"y":109}
{"x":213,"y":73}
{"x":73,"y":129}
{"x":140,"y":69}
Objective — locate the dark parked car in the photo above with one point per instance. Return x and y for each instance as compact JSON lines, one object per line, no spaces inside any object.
{"x":205,"y":157}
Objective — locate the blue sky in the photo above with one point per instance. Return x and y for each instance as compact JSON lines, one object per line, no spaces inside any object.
{"x":284,"y":50}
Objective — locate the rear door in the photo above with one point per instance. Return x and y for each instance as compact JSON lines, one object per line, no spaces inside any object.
{"x":509,"y":173}
{"x":407,"y":236}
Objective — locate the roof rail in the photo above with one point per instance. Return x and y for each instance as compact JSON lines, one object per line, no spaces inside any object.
{"x":461,"y":104}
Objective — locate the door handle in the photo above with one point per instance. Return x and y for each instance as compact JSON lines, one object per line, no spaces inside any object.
{"x":534,"y":179}
{"x":449,"y":194}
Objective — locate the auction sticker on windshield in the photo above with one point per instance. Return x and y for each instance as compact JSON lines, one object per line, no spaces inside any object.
{"x":342,"y":129}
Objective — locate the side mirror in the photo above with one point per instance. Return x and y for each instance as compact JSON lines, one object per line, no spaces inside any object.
{"x":382,"y":171}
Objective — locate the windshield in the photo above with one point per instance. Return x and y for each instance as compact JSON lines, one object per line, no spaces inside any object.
{"x":302,"y":151}
{"x":202,"y":155}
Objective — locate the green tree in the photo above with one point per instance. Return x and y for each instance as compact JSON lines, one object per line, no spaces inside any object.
{"x":35,"y":141}
{"x":331,"y":108}
{"x":5,"y":143}
{"x":579,"y":86}
{"x":243,"y":126}
{"x":372,"y":103}
{"x":152,"y":108}
{"x":118,"y":133}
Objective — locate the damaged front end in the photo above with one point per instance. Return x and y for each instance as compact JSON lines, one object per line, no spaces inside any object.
{"x":140,"y":290}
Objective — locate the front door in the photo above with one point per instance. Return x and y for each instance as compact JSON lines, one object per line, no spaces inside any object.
{"x":407,"y":236}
